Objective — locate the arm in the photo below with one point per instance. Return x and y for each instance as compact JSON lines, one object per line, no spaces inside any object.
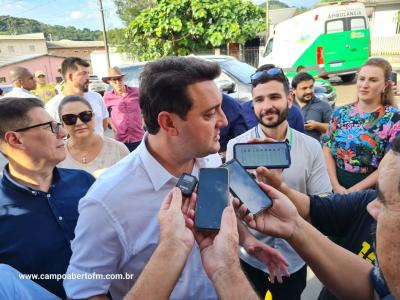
{"x":314,"y":125}
{"x":366,"y":183}
{"x":331,"y":167}
{"x":334,"y":266}
{"x":105,"y":124}
{"x":219,"y":254}
{"x":161,"y":273}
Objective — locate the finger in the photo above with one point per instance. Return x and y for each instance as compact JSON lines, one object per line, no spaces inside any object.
{"x":167,"y":202}
{"x":242,"y":211}
{"x":272,"y":192}
{"x":236,"y":203}
{"x":189,"y":223}
{"x":228,"y":220}
{"x":176,"y":202}
{"x":264,"y":174}
{"x":188,"y":203}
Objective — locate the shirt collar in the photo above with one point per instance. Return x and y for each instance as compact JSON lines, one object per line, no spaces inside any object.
{"x":7,"y":177}
{"x":263,"y":136}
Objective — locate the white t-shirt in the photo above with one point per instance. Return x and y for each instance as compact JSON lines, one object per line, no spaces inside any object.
{"x":19,"y":93}
{"x":95,"y":100}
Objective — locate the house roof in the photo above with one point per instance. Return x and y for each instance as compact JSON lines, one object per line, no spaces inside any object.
{"x":10,"y":60}
{"x":74,"y":44}
{"x":30,"y":36}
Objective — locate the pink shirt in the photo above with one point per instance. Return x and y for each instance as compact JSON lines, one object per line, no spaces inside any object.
{"x":126,"y":116}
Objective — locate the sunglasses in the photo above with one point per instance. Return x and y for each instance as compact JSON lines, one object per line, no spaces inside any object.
{"x":270,"y":73}
{"x":54,"y":126}
{"x":71,"y":119}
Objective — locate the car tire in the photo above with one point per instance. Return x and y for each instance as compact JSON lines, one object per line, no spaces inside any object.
{"x":348,"y":77}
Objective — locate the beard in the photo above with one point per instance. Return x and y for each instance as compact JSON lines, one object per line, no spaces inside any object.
{"x":282,"y":116}
{"x":84,"y":87}
{"x":303,"y":98}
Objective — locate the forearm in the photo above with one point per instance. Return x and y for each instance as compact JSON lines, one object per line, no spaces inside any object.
{"x":244,"y":233}
{"x":343,"y":273}
{"x":105,"y":124}
{"x":300,"y":200}
{"x":231,"y":283}
{"x":331,"y":166}
{"x":161,"y":273}
{"x":366,"y":183}
{"x":322,"y":127}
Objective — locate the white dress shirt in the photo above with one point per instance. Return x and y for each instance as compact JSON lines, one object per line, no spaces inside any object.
{"x":19,"y":93}
{"x":118,"y":229}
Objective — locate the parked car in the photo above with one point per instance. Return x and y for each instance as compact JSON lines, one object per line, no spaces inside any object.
{"x":133,"y":72}
{"x":97,"y":85}
{"x":5,"y":89}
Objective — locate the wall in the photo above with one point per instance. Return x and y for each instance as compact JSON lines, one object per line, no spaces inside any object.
{"x":48,"y":64}
{"x":22,"y":47}
{"x":83,"y":53}
{"x":384,"y":20}
{"x":99,"y":61}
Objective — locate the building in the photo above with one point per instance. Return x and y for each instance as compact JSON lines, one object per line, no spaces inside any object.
{"x":68,"y":48}
{"x":23,"y":44}
{"x":50,"y":64}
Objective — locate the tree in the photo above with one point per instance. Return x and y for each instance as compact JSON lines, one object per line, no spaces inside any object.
{"x":180,"y":27}
{"x":128,"y":10}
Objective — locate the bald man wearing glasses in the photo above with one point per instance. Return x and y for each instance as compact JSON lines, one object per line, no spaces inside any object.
{"x":38,"y":202}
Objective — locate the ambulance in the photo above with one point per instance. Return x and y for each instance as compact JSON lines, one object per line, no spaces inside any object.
{"x":328,"y":40}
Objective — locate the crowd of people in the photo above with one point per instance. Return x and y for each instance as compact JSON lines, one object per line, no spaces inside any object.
{"x":87,"y":216}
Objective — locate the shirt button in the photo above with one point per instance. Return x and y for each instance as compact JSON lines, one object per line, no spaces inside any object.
{"x":48,"y":195}
{"x":60,"y":218}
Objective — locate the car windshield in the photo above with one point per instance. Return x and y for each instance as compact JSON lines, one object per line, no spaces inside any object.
{"x":132,"y":78}
{"x":238,"y":69}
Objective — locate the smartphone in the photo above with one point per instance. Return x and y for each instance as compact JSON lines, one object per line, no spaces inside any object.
{"x":187,"y":184}
{"x":273,"y":155}
{"x":393,"y":77}
{"x":212,"y":198}
{"x":246,"y":189}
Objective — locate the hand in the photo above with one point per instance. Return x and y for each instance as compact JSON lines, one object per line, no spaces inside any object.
{"x":271,"y":177}
{"x":176,"y":220}
{"x":338,"y":189}
{"x":280,"y":220}
{"x":220,"y":250}
{"x":273,"y":259}
{"x":310,"y":125}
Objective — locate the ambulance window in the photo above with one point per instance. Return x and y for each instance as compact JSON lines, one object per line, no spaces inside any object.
{"x":334,"y":26}
{"x":268,"y":49}
{"x":357,"y":23}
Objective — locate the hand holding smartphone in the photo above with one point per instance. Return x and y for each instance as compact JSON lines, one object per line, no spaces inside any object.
{"x":212,"y":198}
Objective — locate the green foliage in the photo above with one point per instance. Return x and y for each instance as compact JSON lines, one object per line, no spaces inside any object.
{"x":274,"y":4}
{"x":128,"y":10}
{"x":12,"y":25}
{"x":180,"y":27}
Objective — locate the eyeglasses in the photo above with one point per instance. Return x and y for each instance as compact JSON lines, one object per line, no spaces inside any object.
{"x":54,"y":126}
{"x":71,"y":119}
{"x":270,"y":73}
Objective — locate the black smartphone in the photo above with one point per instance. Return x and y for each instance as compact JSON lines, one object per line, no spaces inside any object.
{"x":212,"y":198}
{"x":393,"y":77}
{"x":246,"y":189}
{"x":273,"y":155}
{"x":187,"y":184}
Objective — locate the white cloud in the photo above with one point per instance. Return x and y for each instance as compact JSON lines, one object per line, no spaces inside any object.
{"x":76,"y":15}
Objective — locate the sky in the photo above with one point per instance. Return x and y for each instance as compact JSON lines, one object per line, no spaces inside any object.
{"x":81,"y":13}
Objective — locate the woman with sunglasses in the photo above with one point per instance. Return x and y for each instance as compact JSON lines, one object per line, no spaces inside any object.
{"x":85,"y":149}
{"x":360,"y":133}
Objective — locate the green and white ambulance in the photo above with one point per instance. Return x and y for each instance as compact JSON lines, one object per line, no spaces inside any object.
{"x":332,"y":39}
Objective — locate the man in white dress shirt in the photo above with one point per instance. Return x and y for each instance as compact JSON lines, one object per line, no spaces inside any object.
{"x":118,"y":228}
{"x":23,"y":82}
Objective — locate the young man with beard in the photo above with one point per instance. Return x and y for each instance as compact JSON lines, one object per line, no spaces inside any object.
{"x":307,"y":173}
{"x":75,"y":72}
{"x":317,"y":113}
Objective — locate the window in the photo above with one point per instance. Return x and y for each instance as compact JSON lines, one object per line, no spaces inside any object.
{"x":268,"y":49}
{"x":31,"y":47}
{"x":11,"y":49}
{"x":357,"y":23}
{"x":334,"y":26}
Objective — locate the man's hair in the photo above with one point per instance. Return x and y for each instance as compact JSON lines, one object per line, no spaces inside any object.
{"x":71,"y":99}
{"x":71,"y":64}
{"x":302,"y":76}
{"x":14,"y":113}
{"x":18,"y":73}
{"x":264,"y":79}
{"x":163,"y":86}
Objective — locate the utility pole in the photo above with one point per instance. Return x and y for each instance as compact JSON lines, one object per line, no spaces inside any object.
{"x":267,"y":19}
{"x":104,"y":33}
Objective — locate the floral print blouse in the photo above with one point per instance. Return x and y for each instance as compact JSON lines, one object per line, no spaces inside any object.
{"x":357,"y":140}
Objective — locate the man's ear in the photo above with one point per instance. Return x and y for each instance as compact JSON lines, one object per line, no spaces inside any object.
{"x":167,"y":123}
{"x":290,"y":98}
{"x":69,"y":76}
{"x":14,"y":139}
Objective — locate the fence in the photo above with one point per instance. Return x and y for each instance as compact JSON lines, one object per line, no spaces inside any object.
{"x":385,"y":45}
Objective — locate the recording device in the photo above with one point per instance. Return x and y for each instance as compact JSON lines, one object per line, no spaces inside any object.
{"x":246,"y":189}
{"x":393,"y":77}
{"x":272,"y":155}
{"x":187,"y":183}
{"x":212,"y":198}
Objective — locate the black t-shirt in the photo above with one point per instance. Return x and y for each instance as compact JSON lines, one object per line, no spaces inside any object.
{"x":346,"y":217}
